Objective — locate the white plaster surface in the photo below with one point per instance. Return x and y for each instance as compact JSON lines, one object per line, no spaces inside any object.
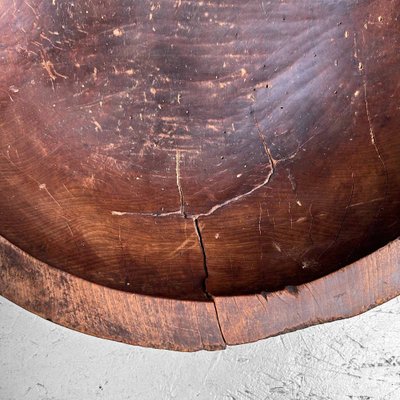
{"x":355,"y":359}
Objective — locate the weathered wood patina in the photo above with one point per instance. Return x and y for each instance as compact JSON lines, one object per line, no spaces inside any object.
{"x":191,"y":174}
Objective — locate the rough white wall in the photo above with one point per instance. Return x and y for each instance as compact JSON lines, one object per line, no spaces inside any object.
{"x":356,"y":359}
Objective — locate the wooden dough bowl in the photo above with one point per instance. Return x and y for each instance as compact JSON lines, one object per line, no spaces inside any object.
{"x":193,"y":174}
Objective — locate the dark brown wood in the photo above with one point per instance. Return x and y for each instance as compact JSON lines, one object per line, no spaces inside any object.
{"x":180,"y":151}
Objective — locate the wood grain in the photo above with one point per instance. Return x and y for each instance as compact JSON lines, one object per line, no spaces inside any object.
{"x":104,"y":312}
{"x":187,"y":150}
{"x":352,"y":290}
{"x":189,"y":325}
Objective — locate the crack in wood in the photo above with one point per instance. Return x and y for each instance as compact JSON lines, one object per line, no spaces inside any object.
{"x":204,"y":284}
{"x":200,"y":239}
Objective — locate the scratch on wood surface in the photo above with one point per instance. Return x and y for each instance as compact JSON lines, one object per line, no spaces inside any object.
{"x":190,"y":240}
{"x":366,"y":202}
{"x":68,"y":225}
{"x":51,"y":71}
{"x":178,"y":181}
{"x":264,"y":143}
{"x":362,"y":71}
{"x":371,"y":128}
{"x":97,"y":125}
{"x":33,"y":10}
{"x":68,"y":190}
{"x":145,"y":214}
{"x":43,"y":186}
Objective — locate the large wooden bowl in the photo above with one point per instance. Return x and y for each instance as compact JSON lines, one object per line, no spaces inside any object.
{"x":190,"y":174}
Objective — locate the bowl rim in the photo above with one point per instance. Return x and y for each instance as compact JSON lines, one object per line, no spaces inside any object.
{"x":189,"y":325}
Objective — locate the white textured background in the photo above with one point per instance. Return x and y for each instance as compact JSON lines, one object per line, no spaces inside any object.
{"x":357,"y":359}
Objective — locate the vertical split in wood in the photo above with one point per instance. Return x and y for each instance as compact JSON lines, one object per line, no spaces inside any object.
{"x":198,"y":233}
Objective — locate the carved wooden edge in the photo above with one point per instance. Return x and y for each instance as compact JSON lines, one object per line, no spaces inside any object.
{"x":350,"y":291}
{"x":189,"y":325}
{"x":103,"y":312}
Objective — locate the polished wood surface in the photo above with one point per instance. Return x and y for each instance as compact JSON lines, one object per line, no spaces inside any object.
{"x":185,"y":150}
